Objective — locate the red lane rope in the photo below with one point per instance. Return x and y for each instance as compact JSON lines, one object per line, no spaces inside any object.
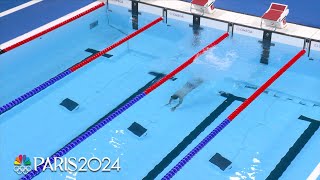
{"x":91,"y":58}
{"x":265,"y":85}
{"x":52,"y":28}
{"x":185,"y":64}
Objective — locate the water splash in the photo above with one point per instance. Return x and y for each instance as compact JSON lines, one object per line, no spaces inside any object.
{"x":115,"y":140}
{"x":219,"y":63}
{"x":213,"y":67}
{"x":248,"y":173}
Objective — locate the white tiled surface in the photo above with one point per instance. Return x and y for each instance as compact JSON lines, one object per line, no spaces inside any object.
{"x":248,"y":31}
{"x":316,"y":35}
{"x":315,"y":46}
{"x":179,"y":16}
{"x":252,"y":21}
{"x":299,"y":30}
{"x":150,"y":9}
{"x":287,"y":40}
{"x":123,"y":3}
{"x":224,"y":15}
{"x":214,"y":24}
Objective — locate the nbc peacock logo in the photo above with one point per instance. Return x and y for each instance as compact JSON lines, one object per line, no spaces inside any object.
{"x":22,"y":164}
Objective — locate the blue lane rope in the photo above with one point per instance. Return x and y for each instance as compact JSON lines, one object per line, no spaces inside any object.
{"x":32,"y":92}
{"x":195,"y":150}
{"x":84,"y":136}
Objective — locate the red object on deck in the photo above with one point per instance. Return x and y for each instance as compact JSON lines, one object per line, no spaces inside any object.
{"x":278,"y":7}
{"x":274,"y":12}
{"x":185,"y":64}
{"x":246,"y":103}
{"x":199,"y":2}
{"x":273,"y":15}
{"x":91,"y":58}
{"x":52,"y":28}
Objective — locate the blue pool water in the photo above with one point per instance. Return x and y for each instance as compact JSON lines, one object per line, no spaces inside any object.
{"x":255,"y":141}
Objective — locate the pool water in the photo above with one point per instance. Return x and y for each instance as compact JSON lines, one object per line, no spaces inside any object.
{"x":255,"y":141}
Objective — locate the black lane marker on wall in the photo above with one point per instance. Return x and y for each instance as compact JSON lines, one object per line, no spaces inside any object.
{"x":196,"y":22}
{"x":93,"y":51}
{"x":196,"y":29}
{"x":266,"y":44}
{"x":230,"y":29}
{"x":161,"y":74}
{"x":286,"y":160}
{"x":94,"y":24}
{"x":135,"y":15}
{"x":165,"y":15}
{"x":165,"y":162}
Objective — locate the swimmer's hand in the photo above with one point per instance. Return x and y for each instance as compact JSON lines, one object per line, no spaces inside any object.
{"x":174,"y":108}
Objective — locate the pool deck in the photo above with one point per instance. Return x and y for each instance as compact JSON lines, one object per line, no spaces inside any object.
{"x":301,"y":12}
{"x":238,"y":18}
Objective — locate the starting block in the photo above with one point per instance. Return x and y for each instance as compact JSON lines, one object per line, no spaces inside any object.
{"x":275,"y":16}
{"x":202,"y":6}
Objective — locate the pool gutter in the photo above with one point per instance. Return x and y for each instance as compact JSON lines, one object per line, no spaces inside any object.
{"x":236,"y":23}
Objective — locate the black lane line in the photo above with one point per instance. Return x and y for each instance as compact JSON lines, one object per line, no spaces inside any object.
{"x":93,"y":51}
{"x":227,"y":95}
{"x":161,"y":74}
{"x":142,"y":89}
{"x":230,"y":98}
{"x":286,"y":160}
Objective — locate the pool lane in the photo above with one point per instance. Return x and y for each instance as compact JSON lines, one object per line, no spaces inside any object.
{"x":73,"y":68}
{"x":231,"y":117}
{"x":172,"y":155}
{"x":138,"y":155}
{"x":44,"y":58}
{"x":256,"y":146}
{"x":98,"y":89}
{"x":92,"y":130}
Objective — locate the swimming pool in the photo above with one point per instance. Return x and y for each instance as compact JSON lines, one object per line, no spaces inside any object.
{"x":255,"y":142}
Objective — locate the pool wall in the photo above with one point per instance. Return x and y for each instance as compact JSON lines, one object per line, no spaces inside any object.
{"x":235,"y":23}
{"x":307,"y":38}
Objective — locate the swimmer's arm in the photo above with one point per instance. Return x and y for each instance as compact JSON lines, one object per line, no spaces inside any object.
{"x":170,"y":101}
{"x":180,"y":102}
